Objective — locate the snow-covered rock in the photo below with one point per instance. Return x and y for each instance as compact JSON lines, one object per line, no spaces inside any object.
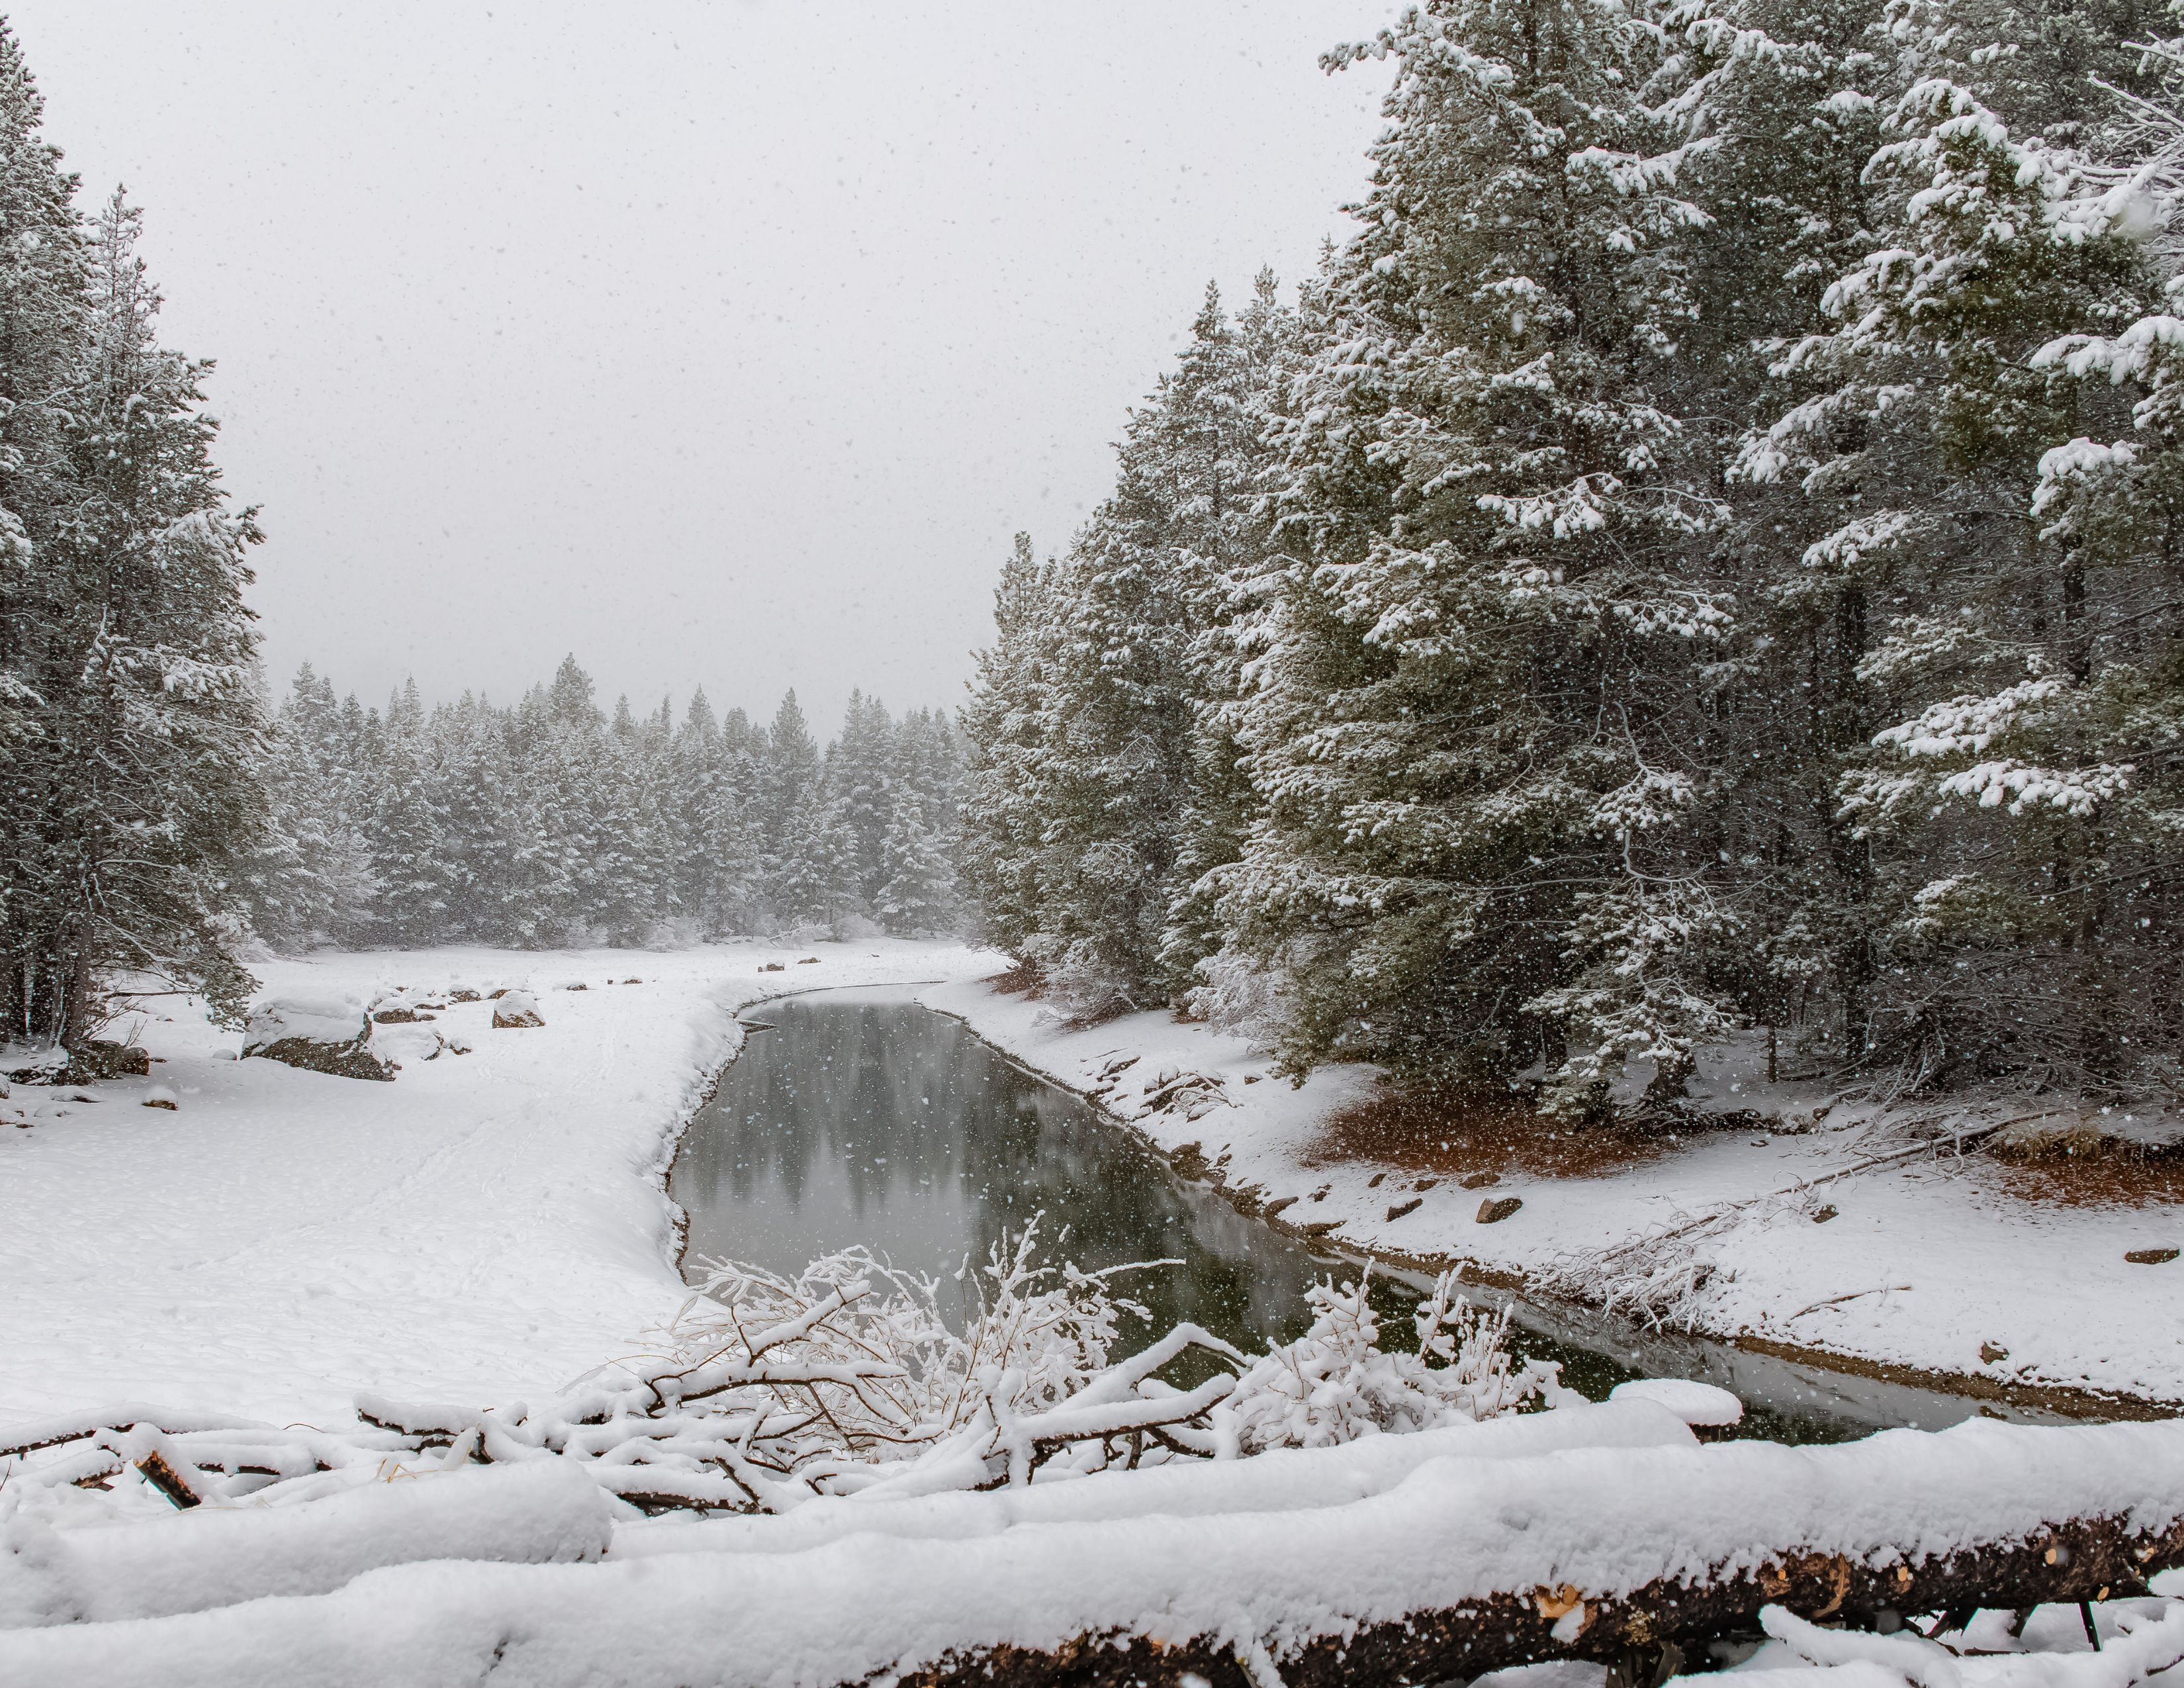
{"x":328,"y":1033}
{"x":517,"y":1009}
{"x":402,"y":1046}
{"x":1697,"y":1404}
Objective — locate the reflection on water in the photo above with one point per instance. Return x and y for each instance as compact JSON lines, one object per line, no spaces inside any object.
{"x":865,"y":1118}
{"x":884,"y":1123}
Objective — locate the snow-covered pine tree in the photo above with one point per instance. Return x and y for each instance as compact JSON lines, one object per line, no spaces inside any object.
{"x":916,"y":897}
{"x":1965,"y":835}
{"x":815,"y":873}
{"x":623,"y":854}
{"x":469,"y":766}
{"x":1469,"y":728}
{"x":553,"y":745}
{"x":1230,"y":534}
{"x":929,"y":753}
{"x":407,"y":838}
{"x":311,"y":881}
{"x":863,"y":767}
{"x":137,"y":805}
{"x":45,"y":302}
{"x":1775,"y":102}
{"x":731,"y":841}
{"x":1146,"y":580}
{"x":1004,"y":723}
{"x":789,"y":810}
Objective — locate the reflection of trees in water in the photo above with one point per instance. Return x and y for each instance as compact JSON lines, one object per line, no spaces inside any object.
{"x":907,"y":1107}
{"x":852,"y":1115}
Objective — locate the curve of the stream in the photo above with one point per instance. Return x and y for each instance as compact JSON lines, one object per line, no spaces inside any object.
{"x":860,"y":1117}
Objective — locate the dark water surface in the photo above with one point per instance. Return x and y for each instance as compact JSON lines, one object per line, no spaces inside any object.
{"x":863,"y":1117}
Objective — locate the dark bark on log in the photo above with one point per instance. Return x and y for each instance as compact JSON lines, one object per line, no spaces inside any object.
{"x":53,"y":1433}
{"x":167,"y":1480}
{"x":2086,"y":1560}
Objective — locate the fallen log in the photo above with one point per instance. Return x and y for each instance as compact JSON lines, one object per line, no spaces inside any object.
{"x":49,"y":1433}
{"x":1646,"y":1631}
{"x":1278,"y":1571}
{"x":1646,"y":1635}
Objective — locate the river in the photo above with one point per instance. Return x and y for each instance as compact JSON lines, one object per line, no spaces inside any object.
{"x":860,"y":1117}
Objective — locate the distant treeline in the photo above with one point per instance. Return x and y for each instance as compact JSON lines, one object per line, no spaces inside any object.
{"x":1707,"y":554}
{"x":551,"y":823}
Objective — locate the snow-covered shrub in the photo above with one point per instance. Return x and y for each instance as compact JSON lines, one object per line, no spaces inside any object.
{"x":766,"y":1391}
{"x":677,"y":932}
{"x":1081,"y":983}
{"x":863,"y":1351}
{"x":1238,"y":996}
{"x":1334,"y":1384}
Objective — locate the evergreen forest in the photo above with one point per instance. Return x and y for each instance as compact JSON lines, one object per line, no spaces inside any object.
{"x":553,"y":823}
{"x":1699,"y":563}
{"x":161,"y":821}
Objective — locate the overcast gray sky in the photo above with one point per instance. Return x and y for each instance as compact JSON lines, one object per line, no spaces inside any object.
{"x":724,"y":343}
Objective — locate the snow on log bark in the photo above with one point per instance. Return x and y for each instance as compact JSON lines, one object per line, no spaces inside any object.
{"x":218,"y":1556}
{"x":2083,"y":1560}
{"x":1463,"y":1565}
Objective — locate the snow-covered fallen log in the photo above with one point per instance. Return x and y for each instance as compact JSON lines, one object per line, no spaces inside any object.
{"x":214,"y":1556}
{"x":1282,"y":1480}
{"x":1463,"y":1565}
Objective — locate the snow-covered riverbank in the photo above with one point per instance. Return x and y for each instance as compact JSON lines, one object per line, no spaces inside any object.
{"x":494,"y":1223}
{"x":1932,"y":1266}
{"x":489,"y":1223}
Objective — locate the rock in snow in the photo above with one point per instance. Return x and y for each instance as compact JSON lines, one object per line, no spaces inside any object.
{"x":515,"y":1010}
{"x":329,"y":1034}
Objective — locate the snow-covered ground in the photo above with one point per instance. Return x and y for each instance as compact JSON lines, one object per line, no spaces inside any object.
{"x":280,"y":1240}
{"x":495,"y":1223}
{"x":1924,"y":1263}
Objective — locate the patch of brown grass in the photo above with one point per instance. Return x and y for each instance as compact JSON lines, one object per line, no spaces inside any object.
{"x":2108,"y":1173}
{"x":1453,"y":1132}
{"x":1023,"y":979}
